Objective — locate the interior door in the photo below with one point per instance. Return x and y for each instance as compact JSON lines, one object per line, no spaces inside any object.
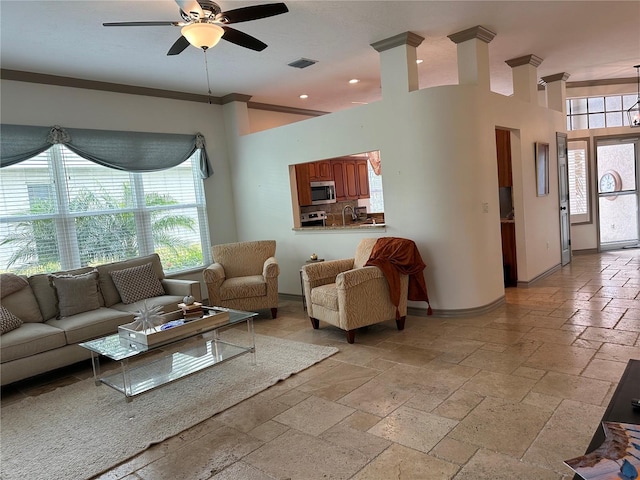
{"x":563,"y":191}
{"x":617,"y":182}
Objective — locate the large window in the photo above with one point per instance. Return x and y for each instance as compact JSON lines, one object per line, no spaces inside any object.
{"x":599,"y":112}
{"x":578,"y":166}
{"x":60,"y":211}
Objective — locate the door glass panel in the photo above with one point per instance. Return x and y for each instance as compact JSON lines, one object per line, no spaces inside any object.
{"x":617,"y":161}
{"x":618,"y":219}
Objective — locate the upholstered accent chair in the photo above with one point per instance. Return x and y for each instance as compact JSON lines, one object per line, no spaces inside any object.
{"x":349,"y":295}
{"x":244,"y":276}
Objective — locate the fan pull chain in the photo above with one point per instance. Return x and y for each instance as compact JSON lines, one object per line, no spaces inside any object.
{"x":206,"y":67}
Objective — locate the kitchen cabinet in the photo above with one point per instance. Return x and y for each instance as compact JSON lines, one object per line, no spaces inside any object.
{"x":303,"y":184}
{"x":503,"y":150}
{"x":338,"y":179}
{"x":362,"y":168}
{"x":509,"y":262}
{"x":351,"y":178}
{"x":320,"y":171}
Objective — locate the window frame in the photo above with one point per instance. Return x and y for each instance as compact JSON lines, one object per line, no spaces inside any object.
{"x":65,"y":219}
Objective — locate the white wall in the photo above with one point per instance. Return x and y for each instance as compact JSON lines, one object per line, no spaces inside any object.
{"x":265,"y":119}
{"x":439,"y":166}
{"x":36,"y":104}
{"x":439,"y":162}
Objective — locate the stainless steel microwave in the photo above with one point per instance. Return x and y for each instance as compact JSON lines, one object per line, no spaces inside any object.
{"x":323,"y":192}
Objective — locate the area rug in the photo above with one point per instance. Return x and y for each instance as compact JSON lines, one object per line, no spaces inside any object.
{"x":81,"y":430}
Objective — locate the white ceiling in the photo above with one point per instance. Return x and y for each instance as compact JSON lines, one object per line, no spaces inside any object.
{"x":590,"y":40}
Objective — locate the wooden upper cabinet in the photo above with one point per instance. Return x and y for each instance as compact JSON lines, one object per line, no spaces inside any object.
{"x":320,"y":171}
{"x":503,"y":148}
{"x":350,"y":179}
{"x":303,"y":184}
{"x":338,"y":177}
{"x":363,"y":178}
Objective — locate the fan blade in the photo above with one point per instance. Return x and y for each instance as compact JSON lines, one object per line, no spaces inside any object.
{"x":140,"y":24}
{"x":254,"y":12}
{"x":178,"y":46}
{"x":191,"y":7}
{"x":240,"y":38}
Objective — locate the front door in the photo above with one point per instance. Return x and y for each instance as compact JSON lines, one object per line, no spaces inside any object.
{"x":617,"y":193}
{"x":563,"y":190}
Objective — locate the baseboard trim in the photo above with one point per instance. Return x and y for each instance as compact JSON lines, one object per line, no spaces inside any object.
{"x":586,"y":251}
{"x":290,"y":296}
{"x":463,"y":312}
{"x":525,"y":284}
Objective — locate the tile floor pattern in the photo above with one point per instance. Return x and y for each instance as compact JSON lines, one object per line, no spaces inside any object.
{"x":505,"y":395}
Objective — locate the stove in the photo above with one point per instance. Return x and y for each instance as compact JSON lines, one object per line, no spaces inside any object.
{"x":313,"y":219}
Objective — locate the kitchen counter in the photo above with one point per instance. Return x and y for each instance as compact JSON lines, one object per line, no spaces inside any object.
{"x":353,"y":226}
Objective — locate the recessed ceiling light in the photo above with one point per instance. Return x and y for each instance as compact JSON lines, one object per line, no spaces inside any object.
{"x":419,"y":61}
{"x":354,"y":80}
{"x":304,"y":95}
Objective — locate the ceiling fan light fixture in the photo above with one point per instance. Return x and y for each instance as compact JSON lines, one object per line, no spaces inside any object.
{"x":202,"y":35}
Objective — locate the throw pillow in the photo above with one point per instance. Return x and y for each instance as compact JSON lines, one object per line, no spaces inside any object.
{"x":137,"y":283}
{"x":8,"y":321}
{"x":76,"y":293}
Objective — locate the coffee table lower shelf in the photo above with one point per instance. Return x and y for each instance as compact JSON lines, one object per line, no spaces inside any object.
{"x":147,"y":367}
{"x":133,"y":380}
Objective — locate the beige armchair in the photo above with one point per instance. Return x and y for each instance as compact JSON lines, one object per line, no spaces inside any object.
{"x":244,"y":276}
{"x":348,"y":295}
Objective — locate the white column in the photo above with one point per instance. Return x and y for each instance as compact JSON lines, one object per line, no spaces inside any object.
{"x":525,"y":77}
{"x":398,"y":67}
{"x":557,"y":91}
{"x":236,"y":112}
{"x":473,"y":56}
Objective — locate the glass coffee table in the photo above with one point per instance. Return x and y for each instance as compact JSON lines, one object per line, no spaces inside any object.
{"x":144,"y":368}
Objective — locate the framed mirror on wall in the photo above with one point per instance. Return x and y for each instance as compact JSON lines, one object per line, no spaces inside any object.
{"x":542,"y":168}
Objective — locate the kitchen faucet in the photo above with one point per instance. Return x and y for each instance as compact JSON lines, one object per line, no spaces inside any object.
{"x":354,"y":217}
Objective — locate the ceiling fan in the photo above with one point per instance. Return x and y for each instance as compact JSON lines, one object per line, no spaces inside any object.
{"x":204,"y":24}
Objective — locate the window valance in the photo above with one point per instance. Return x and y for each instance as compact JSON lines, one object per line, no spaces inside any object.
{"x":128,"y":151}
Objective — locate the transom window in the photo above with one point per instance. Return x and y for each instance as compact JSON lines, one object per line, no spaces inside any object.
{"x":59,"y":211}
{"x":599,"y":112}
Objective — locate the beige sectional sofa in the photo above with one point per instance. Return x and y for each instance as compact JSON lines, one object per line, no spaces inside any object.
{"x":57,"y":311}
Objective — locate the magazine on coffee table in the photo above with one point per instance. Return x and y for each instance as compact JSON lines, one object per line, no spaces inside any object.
{"x":618,"y":458}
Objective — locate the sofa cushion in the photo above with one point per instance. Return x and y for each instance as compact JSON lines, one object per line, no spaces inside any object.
{"x":88,"y":325}
{"x":243,"y":287}
{"x":23,"y":304}
{"x":11,"y":283}
{"x":108,"y":288}
{"x":76,"y":293}
{"x":169,"y":304}
{"x":8,"y":321}
{"x":46,"y":295}
{"x":137,"y":283}
{"x":30,"y":339}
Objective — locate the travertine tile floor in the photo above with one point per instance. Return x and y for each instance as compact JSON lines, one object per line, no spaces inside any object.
{"x":505,"y":395}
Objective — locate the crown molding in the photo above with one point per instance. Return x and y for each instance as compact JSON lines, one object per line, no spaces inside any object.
{"x":406,"y":38}
{"x":46,"y":79}
{"x":524,"y":60}
{"x":478,"y":32}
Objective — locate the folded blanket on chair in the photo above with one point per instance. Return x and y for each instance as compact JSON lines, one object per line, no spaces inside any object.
{"x":395,"y":256}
